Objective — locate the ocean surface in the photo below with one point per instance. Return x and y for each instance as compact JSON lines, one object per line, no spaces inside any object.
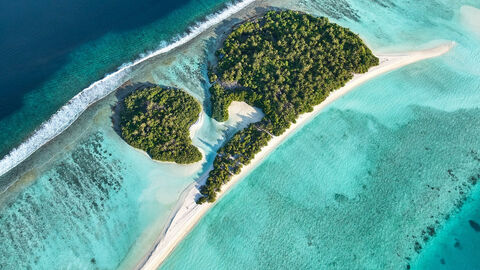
{"x":53,"y":50}
{"x":388,"y":185}
{"x":383,"y":179}
{"x":86,"y":200}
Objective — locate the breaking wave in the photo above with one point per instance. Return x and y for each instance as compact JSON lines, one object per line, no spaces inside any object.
{"x":69,"y":112}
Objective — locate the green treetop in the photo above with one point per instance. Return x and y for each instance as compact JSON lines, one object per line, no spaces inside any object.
{"x":157,"y":120}
{"x":284,"y":63}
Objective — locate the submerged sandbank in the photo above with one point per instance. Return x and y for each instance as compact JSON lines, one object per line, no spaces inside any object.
{"x":189,"y":213}
{"x":68,"y":113}
{"x":470,"y":17}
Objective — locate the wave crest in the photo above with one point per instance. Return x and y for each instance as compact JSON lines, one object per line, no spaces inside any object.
{"x":69,"y":112}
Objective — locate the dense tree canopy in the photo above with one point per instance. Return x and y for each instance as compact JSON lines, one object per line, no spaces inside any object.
{"x":284,"y":63}
{"x":157,"y":120}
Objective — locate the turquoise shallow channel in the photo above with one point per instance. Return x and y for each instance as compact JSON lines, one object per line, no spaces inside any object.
{"x":384,"y":178}
{"x":86,"y":200}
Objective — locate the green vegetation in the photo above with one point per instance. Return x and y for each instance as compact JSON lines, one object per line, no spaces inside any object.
{"x":157,"y":120}
{"x":284,"y":63}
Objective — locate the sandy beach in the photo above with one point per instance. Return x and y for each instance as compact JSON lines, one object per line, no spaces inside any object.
{"x":189,"y":213}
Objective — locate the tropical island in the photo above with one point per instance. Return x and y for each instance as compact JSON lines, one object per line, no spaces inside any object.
{"x":157,"y":121}
{"x":285,"y":63}
{"x":340,"y":63}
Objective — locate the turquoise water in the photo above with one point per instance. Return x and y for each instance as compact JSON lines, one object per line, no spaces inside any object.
{"x":388,"y":185}
{"x":37,"y":39}
{"x":92,"y":60}
{"x":395,"y":162}
{"x":86,"y":200}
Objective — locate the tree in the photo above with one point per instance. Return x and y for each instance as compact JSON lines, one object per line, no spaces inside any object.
{"x":157,"y":120}
{"x":284,"y":63}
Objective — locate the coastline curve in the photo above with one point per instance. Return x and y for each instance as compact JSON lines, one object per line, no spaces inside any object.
{"x":188,"y":213}
{"x":68,"y":113}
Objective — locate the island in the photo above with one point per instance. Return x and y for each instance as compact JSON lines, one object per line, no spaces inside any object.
{"x":236,"y":153}
{"x":284,"y":63}
{"x":157,"y":121}
{"x":188,"y":212}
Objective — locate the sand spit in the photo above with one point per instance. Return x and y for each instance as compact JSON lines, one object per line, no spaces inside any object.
{"x":189,"y":213}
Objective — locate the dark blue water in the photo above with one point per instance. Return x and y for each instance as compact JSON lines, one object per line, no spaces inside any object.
{"x":51,"y":50}
{"x":89,"y":201}
{"x":37,"y":37}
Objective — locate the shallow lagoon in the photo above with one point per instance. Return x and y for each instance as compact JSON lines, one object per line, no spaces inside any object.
{"x":87,"y":199}
{"x":389,"y":174}
{"x":371,"y":182}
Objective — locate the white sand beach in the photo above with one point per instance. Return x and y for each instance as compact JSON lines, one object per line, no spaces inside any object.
{"x":188,"y":213}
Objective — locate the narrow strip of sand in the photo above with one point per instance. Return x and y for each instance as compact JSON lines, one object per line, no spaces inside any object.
{"x":189,"y":213}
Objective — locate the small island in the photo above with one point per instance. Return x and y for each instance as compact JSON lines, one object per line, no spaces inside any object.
{"x":157,"y":121}
{"x":285,"y":63}
{"x":292,"y":66}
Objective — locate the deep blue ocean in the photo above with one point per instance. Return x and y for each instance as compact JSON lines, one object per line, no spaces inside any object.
{"x":51,"y":50}
{"x":37,"y":38}
{"x":86,"y":200}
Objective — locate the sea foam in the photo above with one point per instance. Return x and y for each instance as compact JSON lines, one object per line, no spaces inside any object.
{"x":69,"y":112}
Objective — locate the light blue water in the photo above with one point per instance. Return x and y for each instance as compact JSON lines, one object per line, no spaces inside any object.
{"x":394,"y":161}
{"x":87,"y":200}
{"x":372,"y":180}
{"x":54,"y":80}
{"x":93,"y":202}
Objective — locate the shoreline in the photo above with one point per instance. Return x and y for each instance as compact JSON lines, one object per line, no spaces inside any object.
{"x":66,"y":115}
{"x":192,"y":130}
{"x":187,"y":213}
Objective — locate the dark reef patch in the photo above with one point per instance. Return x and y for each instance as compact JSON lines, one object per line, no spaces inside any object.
{"x":340,"y":198}
{"x":385,"y":3}
{"x":475,"y":226}
{"x":337,"y":9}
{"x":457,"y":244}
{"x":417,"y":247}
{"x":452,"y":175}
{"x":76,"y":188}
